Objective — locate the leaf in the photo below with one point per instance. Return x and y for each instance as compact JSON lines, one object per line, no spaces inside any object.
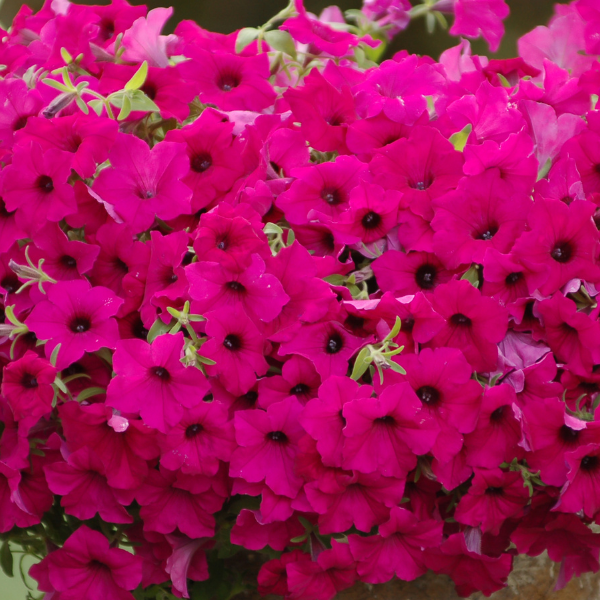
{"x":394,"y":366}
{"x":6,"y":559}
{"x":361,"y":364}
{"x":472,"y":275}
{"x":139,"y":101}
{"x":83,"y":107}
{"x":89,"y":392}
{"x":158,"y":328}
{"x":291,"y":236}
{"x":245,"y":36}
{"x":54,"y":354}
{"x":459,"y":139}
{"x":66,"y":56}
{"x":97,"y":106}
{"x":205,"y":361}
{"x":139,"y":78}
{"x":395,"y":330}
{"x":281,"y":41}
{"x":56,"y":85}
{"x":125,"y":109}
{"x":270,"y":228}
{"x":430,"y":23}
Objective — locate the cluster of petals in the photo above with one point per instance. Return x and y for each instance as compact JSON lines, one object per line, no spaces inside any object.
{"x":187,"y":291}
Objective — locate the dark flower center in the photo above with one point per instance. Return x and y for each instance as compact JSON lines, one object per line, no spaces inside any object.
{"x":193,"y":430}
{"x":172,"y":278}
{"x":408,"y":324}
{"x":371,"y":220}
{"x":460,"y":320}
{"x":20,"y":123}
{"x":425,"y":277}
{"x":513,"y":278}
{"x":107,"y":30}
{"x":497,"y":415}
{"x":228,"y":81}
{"x":121,"y":265}
{"x":68,"y":261}
{"x":488,"y":234}
{"x":335,"y":343}
{"x":80,"y":325}
{"x":222,"y":244}
{"x":299,"y":389}
{"x":232,"y":342}
{"x":568,"y":435}
{"x":354,"y":322}
{"x":45,"y":184}
{"x":387,"y":420}
{"x":201,"y":162}
{"x":494,"y":491}
{"x":146,"y":194}
{"x":10,"y":283}
{"x":250,"y":397}
{"x":589,"y":463}
{"x":331,"y":196}
{"x":161,"y":373}
{"x":29,"y":381}
{"x":150,"y":90}
{"x":428,"y":395}
{"x":277,"y":436}
{"x":562,"y":252}
{"x":421,"y":185}
{"x":235,"y":286}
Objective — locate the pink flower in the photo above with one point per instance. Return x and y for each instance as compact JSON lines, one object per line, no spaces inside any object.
{"x":268,"y":445}
{"x":397,"y":550}
{"x":151,"y":381}
{"x":27,"y":385}
{"x":86,"y":567}
{"x":78,"y":317}
{"x":144,"y":183}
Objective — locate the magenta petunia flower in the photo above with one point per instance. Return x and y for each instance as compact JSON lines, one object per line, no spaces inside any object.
{"x":18,"y":104}
{"x":236,"y":346}
{"x":143,"y":183}
{"x":26,"y":384}
{"x":213,"y":285}
{"x":202,"y":438}
{"x":230,"y":81}
{"x":151,"y":381}
{"x":493,"y":497}
{"x":268,"y":444}
{"x":35,"y":185}
{"x":87,"y":567}
{"x":124,"y":451}
{"x":474,"y":324}
{"x":249,"y":531}
{"x":385,"y":434}
{"x":397,"y":549}
{"x":81,"y":482}
{"x":78,"y":317}
{"x":333,"y":571}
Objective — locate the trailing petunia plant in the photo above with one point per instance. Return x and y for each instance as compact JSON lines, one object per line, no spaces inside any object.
{"x":281,"y":313}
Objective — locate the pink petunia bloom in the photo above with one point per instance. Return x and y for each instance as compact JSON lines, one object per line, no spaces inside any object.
{"x":474,"y":323}
{"x":581,"y":491}
{"x":268,"y":445}
{"x":188,"y":561}
{"x":504,"y":277}
{"x":236,"y":346}
{"x":272,"y":577}
{"x":230,"y":81}
{"x":493,"y":497}
{"x":35,"y":185}
{"x":385,"y":434}
{"x":78,"y":317}
{"x":423,"y":166}
{"x":215,"y":156}
{"x":397,"y":549}
{"x":329,"y":345}
{"x":124,"y":451}
{"x":18,"y":104}
{"x":86,"y":567}
{"x":333,"y":571}
{"x":213,"y":286}
{"x":144,"y":183}
{"x":204,"y":436}
{"x":251,"y":533}
{"x":26,"y":384}
{"x":151,"y":381}
{"x":88,"y":138}
{"x":81,"y":482}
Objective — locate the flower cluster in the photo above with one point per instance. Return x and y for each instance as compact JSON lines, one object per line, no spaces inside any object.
{"x":260,"y":292}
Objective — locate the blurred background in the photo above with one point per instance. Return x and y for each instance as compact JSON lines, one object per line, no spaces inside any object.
{"x":228,"y":15}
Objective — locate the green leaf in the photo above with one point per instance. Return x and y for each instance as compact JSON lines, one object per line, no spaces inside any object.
{"x":139,"y":101}
{"x":459,"y":139}
{"x":394,"y":366}
{"x":472,"y":275}
{"x":272,"y":228}
{"x":204,"y":360}
{"x":66,"y":76}
{"x":6,"y":559}
{"x":59,"y":383}
{"x":139,"y":78}
{"x":395,"y":330}
{"x":89,"y":392}
{"x":281,"y":41}
{"x":83,"y":107}
{"x":97,"y":106}
{"x":361,"y":364}
{"x":56,"y":85}
{"x":125,"y":109}
{"x":505,"y":83}
{"x":430,"y":23}
{"x":54,"y":354}
{"x":291,"y":236}
{"x":441,"y":19}
{"x":299,"y":539}
{"x":245,"y":36}
{"x":66,"y":56}
{"x":335,"y":279}
{"x":158,"y":328}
